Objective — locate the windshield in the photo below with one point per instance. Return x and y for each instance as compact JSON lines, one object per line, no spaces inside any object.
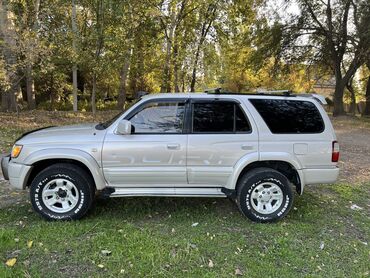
{"x":106,"y":124}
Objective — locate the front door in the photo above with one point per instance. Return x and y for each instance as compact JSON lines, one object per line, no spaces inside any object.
{"x":154,"y":155}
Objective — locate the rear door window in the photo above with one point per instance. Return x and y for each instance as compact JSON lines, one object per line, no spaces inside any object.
{"x":219,"y":117}
{"x":289,"y":116}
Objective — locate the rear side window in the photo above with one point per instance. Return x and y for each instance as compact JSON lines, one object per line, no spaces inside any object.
{"x":289,"y":116}
{"x":219,"y":117}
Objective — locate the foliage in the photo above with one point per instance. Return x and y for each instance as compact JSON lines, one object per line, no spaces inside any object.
{"x":123,"y":47}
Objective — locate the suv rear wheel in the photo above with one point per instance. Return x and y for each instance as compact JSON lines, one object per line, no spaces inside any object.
{"x":62,"y":192}
{"x":264,"y":195}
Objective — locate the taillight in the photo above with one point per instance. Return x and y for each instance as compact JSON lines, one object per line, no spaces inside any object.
{"x":335,"y":152}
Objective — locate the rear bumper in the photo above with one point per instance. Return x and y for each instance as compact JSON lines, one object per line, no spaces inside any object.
{"x":16,"y":173}
{"x":322,"y":175}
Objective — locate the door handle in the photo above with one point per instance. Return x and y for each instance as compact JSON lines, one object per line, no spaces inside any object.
{"x":173,"y":146}
{"x":247,"y":147}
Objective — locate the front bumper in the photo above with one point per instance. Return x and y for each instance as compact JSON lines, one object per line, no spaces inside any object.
{"x":5,"y":165}
{"x":16,"y":173}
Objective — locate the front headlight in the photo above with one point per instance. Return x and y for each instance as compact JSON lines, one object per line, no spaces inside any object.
{"x":16,"y":151}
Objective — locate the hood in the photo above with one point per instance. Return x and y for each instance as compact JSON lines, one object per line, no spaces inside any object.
{"x":59,"y":134}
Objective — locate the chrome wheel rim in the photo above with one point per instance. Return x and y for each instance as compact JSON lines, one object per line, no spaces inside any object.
{"x":60,"y":195}
{"x":266,"y":198}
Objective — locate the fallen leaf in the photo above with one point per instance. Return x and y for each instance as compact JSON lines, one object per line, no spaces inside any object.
{"x":322,"y":245}
{"x":30,"y":243}
{"x":11,"y":262}
{"x":194,"y":246}
{"x":210,"y":264}
{"x":238,"y":272}
{"x":356,"y":207}
{"x":106,"y":252}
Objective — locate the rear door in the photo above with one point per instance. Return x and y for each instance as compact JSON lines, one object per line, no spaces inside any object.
{"x":220,"y":134}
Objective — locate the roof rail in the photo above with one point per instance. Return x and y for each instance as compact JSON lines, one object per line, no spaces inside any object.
{"x":140,"y":94}
{"x":272,"y":93}
{"x":214,"y":91}
{"x":285,"y":93}
{"x":275,"y":92}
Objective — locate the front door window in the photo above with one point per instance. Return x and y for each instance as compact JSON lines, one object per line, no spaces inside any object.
{"x":159,"y":118}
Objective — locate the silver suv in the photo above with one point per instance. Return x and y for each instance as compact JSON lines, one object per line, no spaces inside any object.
{"x":254,"y":149}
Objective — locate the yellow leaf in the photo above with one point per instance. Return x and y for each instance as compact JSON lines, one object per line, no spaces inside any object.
{"x":100,"y":266}
{"x":29,"y":243}
{"x":11,"y":262}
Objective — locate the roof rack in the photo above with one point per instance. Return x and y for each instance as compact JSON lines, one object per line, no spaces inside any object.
{"x":214,"y":91}
{"x":278,"y":93}
{"x":272,"y":93}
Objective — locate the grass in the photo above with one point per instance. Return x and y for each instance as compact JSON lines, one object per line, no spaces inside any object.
{"x":321,"y":237}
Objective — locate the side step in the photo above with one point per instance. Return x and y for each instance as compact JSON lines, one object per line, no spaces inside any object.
{"x":164,"y":192}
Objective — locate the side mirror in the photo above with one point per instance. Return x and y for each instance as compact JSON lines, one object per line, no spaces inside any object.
{"x":124,"y":127}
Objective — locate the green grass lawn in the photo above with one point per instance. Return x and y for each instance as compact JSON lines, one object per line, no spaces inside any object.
{"x":321,"y":237}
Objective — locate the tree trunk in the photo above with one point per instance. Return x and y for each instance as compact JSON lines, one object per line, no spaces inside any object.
{"x":352,"y":92}
{"x":7,"y":33}
{"x":74,"y":90}
{"x":339,"y":91}
{"x":165,"y":86}
{"x":194,"y":73}
{"x":367,"y":96}
{"x":4,"y":101}
{"x":30,"y":88}
{"x":123,"y":80}
{"x":74,"y":46}
{"x":338,"y":100}
{"x":176,"y":66}
{"x":352,"y":109}
{"x":93,"y":95}
{"x":183,"y":80}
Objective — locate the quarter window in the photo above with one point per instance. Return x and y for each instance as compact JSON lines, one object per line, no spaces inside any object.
{"x":159,"y":117}
{"x":289,"y":116}
{"x":219,"y":117}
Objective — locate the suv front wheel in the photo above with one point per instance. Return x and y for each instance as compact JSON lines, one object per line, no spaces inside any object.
{"x":264,"y":195}
{"x":62,"y":192}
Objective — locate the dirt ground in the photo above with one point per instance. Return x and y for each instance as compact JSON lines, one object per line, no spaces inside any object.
{"x":354,"y":140}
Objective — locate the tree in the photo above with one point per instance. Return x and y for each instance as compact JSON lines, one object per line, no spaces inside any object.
{"x":323,"y":28}
{"x":175,"y":13}
{"x":206,"y":20}
{"x":367,"y":92}
{"x":8,"y":36}
{"x":74,"y":46}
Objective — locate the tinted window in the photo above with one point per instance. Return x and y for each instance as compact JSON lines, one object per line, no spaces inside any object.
{"x":289,"y":116}
{"x":220,"y":117}
{"x":159,"y":117}
{"x":241,"y":122}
